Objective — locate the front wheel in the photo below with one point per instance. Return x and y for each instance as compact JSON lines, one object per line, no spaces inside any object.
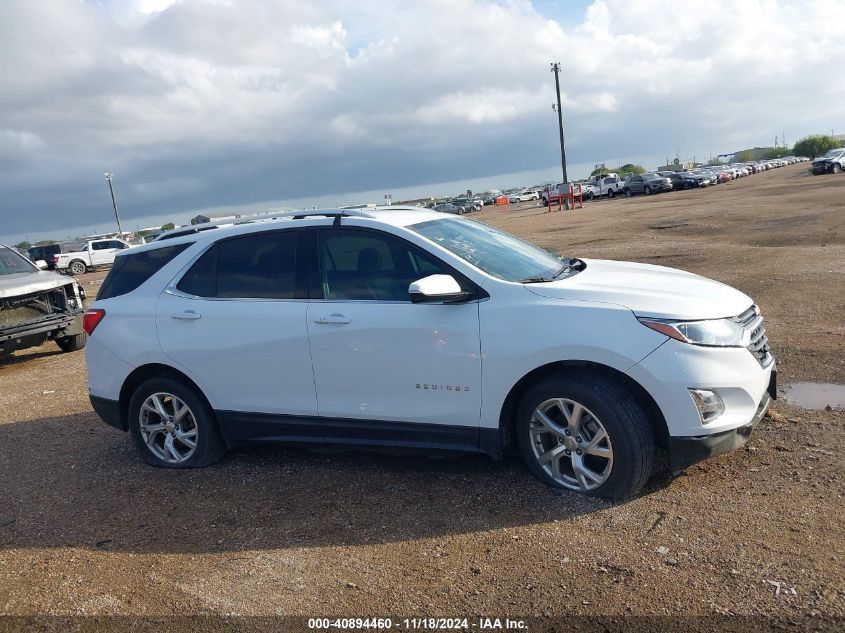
{"x":610,"y":193}
{"x":647,"y":191}
{"x":172,"y":426}
{"x":836,"y":168}
{"x":590,"y":195}
{"x":687,"y":186}
{"x":628,"y":193}
{"x":586,"y":433}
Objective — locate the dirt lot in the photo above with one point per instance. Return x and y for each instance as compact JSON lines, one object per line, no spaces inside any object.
{"x":86,"y":529}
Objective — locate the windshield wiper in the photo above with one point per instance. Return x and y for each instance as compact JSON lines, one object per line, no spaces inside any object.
{"x":565,"y":268}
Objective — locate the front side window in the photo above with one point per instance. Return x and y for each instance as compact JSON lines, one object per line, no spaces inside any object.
{"x":492,"y":251}
{"x":368,"y":266}
{"x":261,"y":266}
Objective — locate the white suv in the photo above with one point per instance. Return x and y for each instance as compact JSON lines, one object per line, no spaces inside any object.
{"x":408,"y":327}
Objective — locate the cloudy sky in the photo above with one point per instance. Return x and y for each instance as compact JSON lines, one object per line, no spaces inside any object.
{"x":205,"y":104}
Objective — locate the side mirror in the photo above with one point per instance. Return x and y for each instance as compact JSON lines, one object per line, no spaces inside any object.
{"x":42,"y":265}
{"x":437,"y":288}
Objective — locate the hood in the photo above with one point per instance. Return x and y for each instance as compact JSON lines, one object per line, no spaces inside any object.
{"x":27,"y":283}
{"x":646,"y":290}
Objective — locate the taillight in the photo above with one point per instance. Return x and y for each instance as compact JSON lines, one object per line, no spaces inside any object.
{"x":55,"y":259}
{"x":91,"y":319}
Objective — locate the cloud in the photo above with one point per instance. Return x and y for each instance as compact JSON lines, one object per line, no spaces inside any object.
{"x":203,"y":103}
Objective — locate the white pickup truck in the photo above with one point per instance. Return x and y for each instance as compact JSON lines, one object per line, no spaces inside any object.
{"x":95,"y":253}
{"x":609,"y":185}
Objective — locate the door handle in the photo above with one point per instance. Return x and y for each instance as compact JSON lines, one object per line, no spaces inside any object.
{"x":333,"y":318}
{"x":187,"y":315}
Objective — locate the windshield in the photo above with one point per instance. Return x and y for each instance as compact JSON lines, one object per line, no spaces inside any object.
{"x":834,"y":152}
{"x":11,"y":262}
{"x":492,"y":251}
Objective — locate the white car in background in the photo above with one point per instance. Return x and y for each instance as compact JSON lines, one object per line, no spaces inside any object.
{"x":410,"y":328}
{"x":524,"y":196}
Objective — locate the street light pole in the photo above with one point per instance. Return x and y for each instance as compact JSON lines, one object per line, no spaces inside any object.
{"x":556,"y":70}
{"x":109,"y":177}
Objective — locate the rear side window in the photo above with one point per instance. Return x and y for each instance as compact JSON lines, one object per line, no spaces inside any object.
{"x":130,"y":271}
{"x":259,"y":266}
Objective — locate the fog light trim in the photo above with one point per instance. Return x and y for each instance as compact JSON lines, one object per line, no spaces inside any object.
{"x":708,"y":403}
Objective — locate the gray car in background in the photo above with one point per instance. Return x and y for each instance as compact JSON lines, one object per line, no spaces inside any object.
{"x":37,"y":306}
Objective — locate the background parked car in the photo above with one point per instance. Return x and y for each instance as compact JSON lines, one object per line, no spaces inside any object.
{"x":37,"y":306}
{"x":647,"y":183}
{"x":47,"y":252}
{"x":468,"y":205}
{"x":833,"y":162}
{"x":688,"y":180}
{"x":447,"y":207}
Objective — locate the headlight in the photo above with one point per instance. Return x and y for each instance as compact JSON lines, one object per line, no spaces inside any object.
{"x":714,"y":333}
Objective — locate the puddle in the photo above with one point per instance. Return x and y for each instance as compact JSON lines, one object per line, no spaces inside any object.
{"x":816,"y":395}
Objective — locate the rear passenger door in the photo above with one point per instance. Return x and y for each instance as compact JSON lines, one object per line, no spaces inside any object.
{"x":235,"y":322}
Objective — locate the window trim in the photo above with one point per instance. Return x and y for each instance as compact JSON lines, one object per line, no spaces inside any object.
{"x":300,"y":272}
{"x":315,"y":269}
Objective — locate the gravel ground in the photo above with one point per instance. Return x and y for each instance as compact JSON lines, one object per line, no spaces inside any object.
{"x":87,"y":530}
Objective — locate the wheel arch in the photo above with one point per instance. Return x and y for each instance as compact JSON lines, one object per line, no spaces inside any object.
{"x":507,"y":416}
{"x":157,"y":370}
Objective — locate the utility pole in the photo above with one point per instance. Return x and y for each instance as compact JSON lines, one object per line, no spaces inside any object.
{"x":557,"y":107}
{"x":109,"y":177}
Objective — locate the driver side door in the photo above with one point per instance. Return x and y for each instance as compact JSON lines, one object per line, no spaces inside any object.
{"x":390,"y":367}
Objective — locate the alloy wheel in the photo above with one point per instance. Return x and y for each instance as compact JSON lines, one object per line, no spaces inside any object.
{"x":168,"y":428}
{"x":571,"y":444}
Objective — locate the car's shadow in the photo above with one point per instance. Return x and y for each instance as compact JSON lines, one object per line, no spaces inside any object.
{"x":74,"y":482}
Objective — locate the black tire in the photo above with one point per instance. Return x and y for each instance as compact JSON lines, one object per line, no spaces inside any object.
{"x":836,"y":168}
{"x":647,"y":190}
{"x":210,"y":446}
{"x":610,"y":193}
{"x":687,"y":186}
{"x":628,"y":193}
{"x":590,"y":195}
{"x":77,"y":267}
{"x":72,"y":343}
{"x":621,"y":415}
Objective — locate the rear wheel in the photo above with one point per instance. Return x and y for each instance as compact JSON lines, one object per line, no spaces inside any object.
{"x":586,"y":433}
{"x":72,"y":343}
{"x":77,"y":267}
{"x":172,"y":426}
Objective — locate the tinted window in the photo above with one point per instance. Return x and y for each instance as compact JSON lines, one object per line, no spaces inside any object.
{"x":99,"y":246}
{"x":201,"y":279}
{"x":130,"y":271}
{"x":258,"y":266}
{"x":368,"y":266}
{"x":252,"y":267}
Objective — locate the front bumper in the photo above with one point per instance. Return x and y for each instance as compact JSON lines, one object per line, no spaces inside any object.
{"x":821,"y":168}
{"x":36,"y":332}
{"x":686,"y":451}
